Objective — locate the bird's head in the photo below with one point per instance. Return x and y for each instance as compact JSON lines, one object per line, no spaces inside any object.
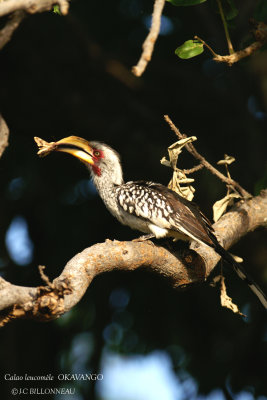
{"x":98,"y":157}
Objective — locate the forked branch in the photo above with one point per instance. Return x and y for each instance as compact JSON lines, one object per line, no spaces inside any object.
{"x":191,"y":148}
{"x":260,"y":34}
{"x":49,"y":302}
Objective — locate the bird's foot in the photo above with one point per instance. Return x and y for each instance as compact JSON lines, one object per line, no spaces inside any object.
{"x":144,"y":238}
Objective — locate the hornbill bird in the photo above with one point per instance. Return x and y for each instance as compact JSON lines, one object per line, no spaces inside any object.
{"x":145,"y":206}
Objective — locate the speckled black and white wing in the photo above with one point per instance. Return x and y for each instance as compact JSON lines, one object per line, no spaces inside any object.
{"x":165,"y":211}
{"x":162,"y":208}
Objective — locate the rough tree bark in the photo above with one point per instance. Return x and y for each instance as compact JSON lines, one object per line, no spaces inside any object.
{"x":32,"y":6}
{"x":4,"y":134}
{"x":185,"y":268}
{"x":49,"y":302}
{"x":19,"y":9}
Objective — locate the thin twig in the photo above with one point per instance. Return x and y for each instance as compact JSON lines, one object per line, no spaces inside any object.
{"x":45,"y":277}
{"x":205,"y":44}
{"x":205,"y":163}
{"x":229,"y":43}
{"x":260,"y":33}
{"x":238,"y":55}
{"x":149,"y":43}
{"x":11,"y":25}
{"x":194,"y":169}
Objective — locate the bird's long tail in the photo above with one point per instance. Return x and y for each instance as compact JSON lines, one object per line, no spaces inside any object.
{"x":242,"y":274}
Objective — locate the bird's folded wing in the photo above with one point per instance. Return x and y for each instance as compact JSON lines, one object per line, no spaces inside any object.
{"x":166,"y":209}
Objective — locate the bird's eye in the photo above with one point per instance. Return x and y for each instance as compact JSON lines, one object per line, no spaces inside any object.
{"x":96,"y":153}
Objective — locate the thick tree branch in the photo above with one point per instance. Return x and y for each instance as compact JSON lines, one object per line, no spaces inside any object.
{"x":32,"y":6}
{"x":4,"y":134}
{"x":10,"y":27}
{"x":19,"y":9}
{"x":49,"y":302}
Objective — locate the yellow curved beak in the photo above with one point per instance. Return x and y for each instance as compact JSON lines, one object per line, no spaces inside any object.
{"x":74,"y":145}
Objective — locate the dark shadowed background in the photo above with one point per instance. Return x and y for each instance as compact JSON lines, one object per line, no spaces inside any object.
{"x":71,"y":75}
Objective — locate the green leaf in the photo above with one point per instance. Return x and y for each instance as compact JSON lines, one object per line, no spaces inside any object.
{"x":186,"y":2}
{"x":190,"y":48}
{"x":56,"y":9}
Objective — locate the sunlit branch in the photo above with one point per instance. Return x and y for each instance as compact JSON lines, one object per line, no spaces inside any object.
{"x":32,"y":6}
{"x":10,"y":27}
{"x":45,"y":303}
{"x":149,"y":43}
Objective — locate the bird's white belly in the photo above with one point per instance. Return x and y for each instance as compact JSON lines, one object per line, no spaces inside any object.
{"x":135,"y":223}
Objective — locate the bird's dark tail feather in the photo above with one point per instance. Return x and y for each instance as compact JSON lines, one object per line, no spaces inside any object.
{"x":242,"y":274}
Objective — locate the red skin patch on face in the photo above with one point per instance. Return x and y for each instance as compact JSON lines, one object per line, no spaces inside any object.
{"x":96,"y":170}
{"x":97,"y":155}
